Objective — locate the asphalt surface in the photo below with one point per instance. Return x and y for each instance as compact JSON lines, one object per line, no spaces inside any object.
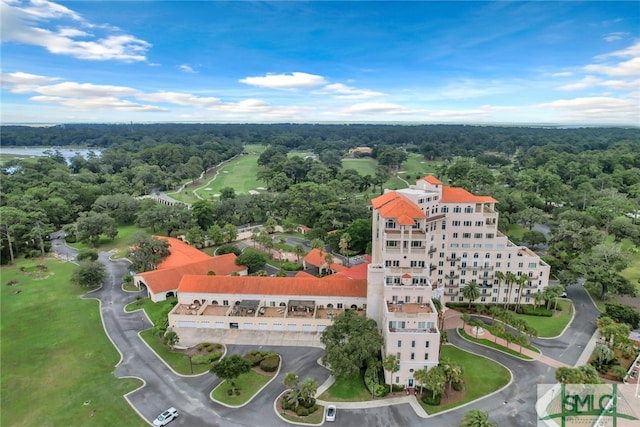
{"x":513,"y":406}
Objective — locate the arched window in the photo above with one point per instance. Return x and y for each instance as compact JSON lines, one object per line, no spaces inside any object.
{"x":214,"y":302}
{"x":329,"y":305}
{"x":476,"y":255}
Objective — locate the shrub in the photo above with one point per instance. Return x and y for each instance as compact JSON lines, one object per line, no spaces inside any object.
{"x":623,"y":314}
{"x":313,"y":409}
{"x":539,"y":311}
{"x":285,"y":403}
{"x":270,"y":364}
{"x":457,"y":386}
{"x":291,"y":266}
{"x":381,"y":390}
{"x":254,"y":359}
{"x":229,"y":392}
{"x":199,"y":347}
{"x":397,"y":387}
{"x":302,"y":411}
{"x":371,"y":379}
{"x":429,"y":399}
{"x":619,"y":372}
{"x":309,"y":404}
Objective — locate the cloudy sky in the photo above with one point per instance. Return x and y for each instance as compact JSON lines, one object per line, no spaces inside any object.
{"x":432,"y":62}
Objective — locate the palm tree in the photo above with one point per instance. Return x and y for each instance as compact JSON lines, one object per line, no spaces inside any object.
{"x":421,"y":377}
{"x":476,"y":418}
{"x":497,"y":329}
{"x":471,"y":292}
{"x":499,"y":275}
{"x":510,"y":278}
{"x":538,"y":297}
{"x":299,"y":251}
{"x":391,"y":364}
{"x":290,"y":380}
{"x":308,"y":389}
{"x":329,"y":260}
{"x":345,"y":239}
{"x":521,"y":282}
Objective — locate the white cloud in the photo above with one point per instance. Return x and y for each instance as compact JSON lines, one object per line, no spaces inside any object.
{"x":586,"y":82}
{"x":187,"y":69}
{"x":33,"y":23}
{"x":618,"y":35}
{"x":20,"y":82}
{"x":625,"y":68}
{"x":342,"y":91}
{"x":178,"y":98}
{"x":375,"y":108}
{"x":595,"y":109}
{"x":562,"y":74}
{"x":294,"y":80}
{"x":85,"y":90}
{"x":98,"y":103}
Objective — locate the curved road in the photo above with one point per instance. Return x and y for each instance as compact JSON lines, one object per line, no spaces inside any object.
{"x":190,"y":394}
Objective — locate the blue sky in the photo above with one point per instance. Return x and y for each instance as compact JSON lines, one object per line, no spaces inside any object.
{"x":432,"y":62}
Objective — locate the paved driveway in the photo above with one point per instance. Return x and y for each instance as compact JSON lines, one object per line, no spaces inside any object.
{"x":513,"y":406}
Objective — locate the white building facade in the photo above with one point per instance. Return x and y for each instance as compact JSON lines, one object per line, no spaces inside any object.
{"x":430,"y":240}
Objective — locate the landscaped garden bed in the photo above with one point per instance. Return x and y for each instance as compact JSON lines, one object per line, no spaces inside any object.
{"x":236,"y":391}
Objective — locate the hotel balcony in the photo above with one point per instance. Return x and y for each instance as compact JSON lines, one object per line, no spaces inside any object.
{"x":454,"y":259}
{"x":476,"y":267}
{"x":409,"y":310}
{"x":410,"y":270}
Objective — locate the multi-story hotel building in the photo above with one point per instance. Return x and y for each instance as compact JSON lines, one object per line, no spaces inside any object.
{"x":430,"y":240}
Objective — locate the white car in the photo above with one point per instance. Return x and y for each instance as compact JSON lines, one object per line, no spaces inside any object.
{"x":331,"y":413}
{"x":166,"y":417}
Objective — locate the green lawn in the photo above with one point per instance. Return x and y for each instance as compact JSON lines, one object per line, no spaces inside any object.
{"x":179,"y":362}
{"x":550,"y":326}
{"x":481,"y":376}
{"x":57,"y":364}
{"x":120,"y":243}
{"x":416,"y":165}
{"x":364,"y":166}
{"x":315,"y":418}
{"x":515,"y":232}
{"x":347,"y":390}
{"x":497,"y":346}
{"x":154,"y":310}
{"x":249,"y":384}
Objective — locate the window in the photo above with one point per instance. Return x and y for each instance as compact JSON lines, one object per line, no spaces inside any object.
{"x":272,"y":304}
{"x":399,"y":343}
{"x":413,"y":356}
{"x":466,"y":235}
{"x":422,"y":325}
{"x":440,"y":263}
{"x":494,"y":299}
{"x":407,"y":298}
{"x":457,"y":209}
{"x":479,"y":223}
{"x":498,"y":256}
{"x":467,"y":223}
{"x":468,"y":209}
{"x":445,"y":209}
{"x":339,"y":305}
{"x":416,"y":243}
{"x":532,"y":265}
{"x":455,"y":223}
{"x":477,"y":236}
{"x":498,"y":264}
{"x":397,"y":380}
{"x":426,"y":345}
{"x":489,"y":236}
{"x":416,"y":224}
{"x":426,"y":356}
{"x":487,"y":255}
{"x":444,"y":225}
{"x":413,"y":344}
{"x":390,"y":224}
{"x":225,"y":302}
{"x":393,"y":243}
{"x":455,"y":235}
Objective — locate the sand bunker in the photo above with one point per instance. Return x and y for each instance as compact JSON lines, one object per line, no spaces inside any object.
{"x":253,"y":192}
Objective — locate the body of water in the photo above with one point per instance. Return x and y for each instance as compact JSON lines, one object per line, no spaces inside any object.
{"x":67,"y":153}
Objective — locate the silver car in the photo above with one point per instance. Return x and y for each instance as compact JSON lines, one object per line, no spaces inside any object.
{"x":166,"y":417}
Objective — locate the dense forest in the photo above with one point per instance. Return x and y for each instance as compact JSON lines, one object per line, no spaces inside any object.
{"x":585,"y":182}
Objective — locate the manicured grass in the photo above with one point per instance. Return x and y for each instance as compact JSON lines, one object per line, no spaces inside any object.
{"x":315,"y":418}
{"x":481,"y":376}
{"x":179,"y":362}
{"x":155,"y":310}
{"x":515,"y":232}
{"x":55,"y":356}
{"x":120,"y":243}
{"x":347,"y":390}
{"x":417,"y":165}
{"x":364,"y":166}
{"x":249,"y":384}
{"x":550,"y":326}
{"x":497,"y":346}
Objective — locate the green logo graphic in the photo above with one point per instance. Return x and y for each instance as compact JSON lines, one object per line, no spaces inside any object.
{"x":587,"y":404}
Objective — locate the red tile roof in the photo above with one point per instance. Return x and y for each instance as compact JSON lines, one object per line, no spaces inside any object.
{"x":460,"y":195}
{"x":303,"y":274}
{"x":394,"y":205}
{"x":255,"y":285}
{"x":432,"y":180}
{"x":169,"y":278}
{"x":181,"y":253}
{"x":358,"y":272}
{"x":314,"y":258}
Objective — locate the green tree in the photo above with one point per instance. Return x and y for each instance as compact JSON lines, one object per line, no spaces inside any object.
{"x":471,"y":291}
{"x":230,"y":233}
{"x":436,"y":381}
{"x":476,"y":418}
{"x":195,"y":236}
{"x":91,"y":225}
{"x":345,"y":239}
{"x":420,"y":375}
{"x":299,"y":251}
{"x":147,"y":252}
{"x":530,"y":216}
{"x":216,"y":235}
{"x":231,"y":368}
{"x":350,"y":341}
{"x":171,"y":338}
{"x":227,"y":193}
{"x":308,"y":389}
{"x":254,"y":260}
{"x":87,"y":254}
{"x":391,"y":364}
{"x":203,"y":214}
{"x":601,"y":268}
{"x":89,"y":274}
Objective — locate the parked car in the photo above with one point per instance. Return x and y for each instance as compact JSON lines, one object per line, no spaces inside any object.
{"x":563,"y":295}
{"x":166,"y":417}
{"x":331,"y":413}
